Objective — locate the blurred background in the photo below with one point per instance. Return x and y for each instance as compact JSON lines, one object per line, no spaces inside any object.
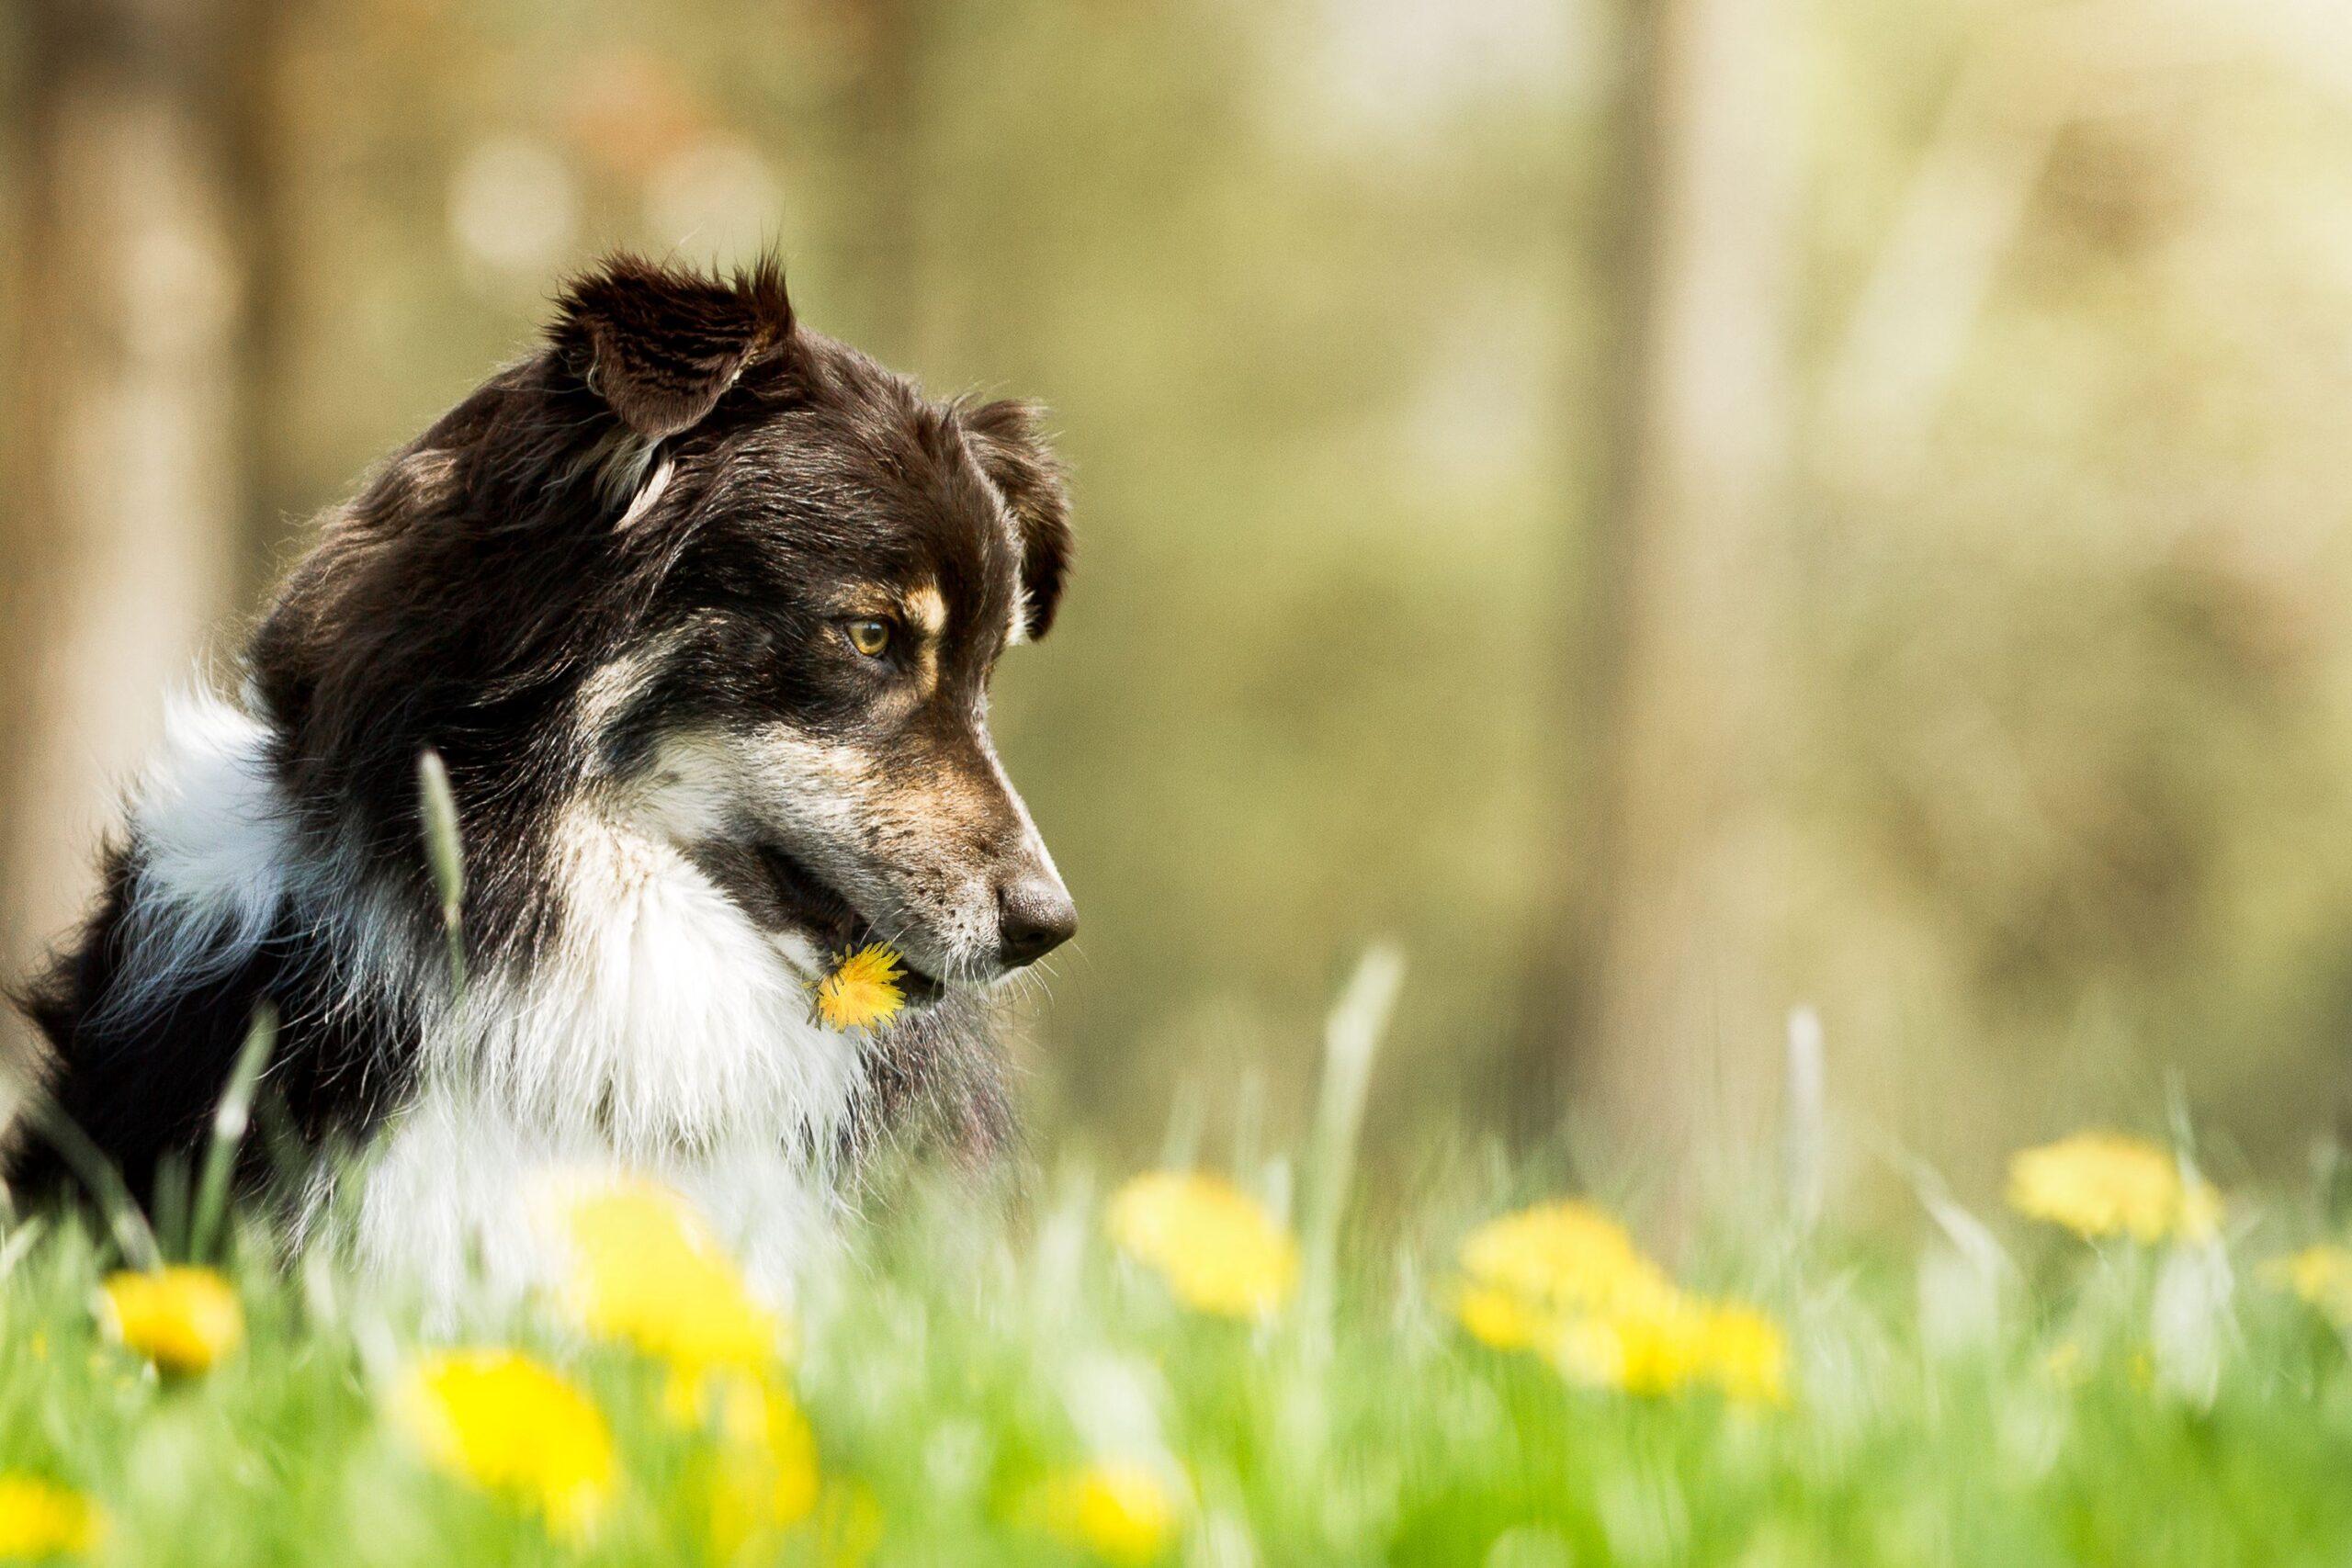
{"x":1674,"y":510}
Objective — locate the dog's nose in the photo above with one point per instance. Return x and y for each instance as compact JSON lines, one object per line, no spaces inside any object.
{"x":1034,"y":916}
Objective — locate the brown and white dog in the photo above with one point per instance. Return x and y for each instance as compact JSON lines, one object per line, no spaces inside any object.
{"x":700,"y":607}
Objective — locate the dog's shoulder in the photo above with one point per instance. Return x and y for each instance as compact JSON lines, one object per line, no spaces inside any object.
{"x":199,"y":924}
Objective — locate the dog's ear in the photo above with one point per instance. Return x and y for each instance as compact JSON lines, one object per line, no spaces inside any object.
{"x":659,"y":346}
{"x":1005,"y":441}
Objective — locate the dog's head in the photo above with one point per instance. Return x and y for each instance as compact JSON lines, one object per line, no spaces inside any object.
{"x":747,"y":588}
{"x":841,"y":565}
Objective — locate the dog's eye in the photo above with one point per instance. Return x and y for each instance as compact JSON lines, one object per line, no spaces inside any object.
{"x":871,"y":638}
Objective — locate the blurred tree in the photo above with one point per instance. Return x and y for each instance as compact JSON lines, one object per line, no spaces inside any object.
{"x":260,"y":138}
{"x":121,"y":535}
{"x":1680,"y":729}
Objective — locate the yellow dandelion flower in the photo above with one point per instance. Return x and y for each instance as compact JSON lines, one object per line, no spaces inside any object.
{"x":2104,"y":1184}
{"x":1676,"y":1343}
{"x":2320,"y":1274}
{"x":38,"y":1519}
{"x":1119,"y":1511}
{"x":1567,"y":1256}
{"x":1217,"y":1247}
{"x":183,"y":1319}
{"x":504,"y":1423}
{"x":1656,"y":1348}
{"x":862,"y":990}
{"x":1565,"y":1279}
{"x":1593,"y":1351}
{"x":647,"y":1272}
{"x":1743,"y":1354}
{"x":1504,"y":1319}
{"x":762,"y":1474}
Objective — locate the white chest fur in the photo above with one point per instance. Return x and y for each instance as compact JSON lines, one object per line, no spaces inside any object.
{"x":658,"y":1018}
{"x":454,"y":1203}
{"x":663,"y":1034}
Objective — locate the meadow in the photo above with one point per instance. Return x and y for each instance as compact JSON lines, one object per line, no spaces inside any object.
{"x":1224,"y":1366}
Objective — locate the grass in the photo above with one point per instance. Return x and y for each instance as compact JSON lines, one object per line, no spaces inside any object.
{"x":1999,"y":1393}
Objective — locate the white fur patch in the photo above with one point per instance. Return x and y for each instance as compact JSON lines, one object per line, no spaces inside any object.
{"x":216,"y":843}
{"x":647,"y":496}
{"x":454,"y":1205}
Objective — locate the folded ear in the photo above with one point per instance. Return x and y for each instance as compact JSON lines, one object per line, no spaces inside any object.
{"x":661,"y":346}
{"x":1005,"y":440}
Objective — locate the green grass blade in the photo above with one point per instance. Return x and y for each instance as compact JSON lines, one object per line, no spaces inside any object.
{"x":99,"y":1175}
{"x":1351,"y":1037}
{"x":229,"y":1120}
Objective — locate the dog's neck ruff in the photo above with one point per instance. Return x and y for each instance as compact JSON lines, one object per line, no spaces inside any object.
{"x":655,"y":1028}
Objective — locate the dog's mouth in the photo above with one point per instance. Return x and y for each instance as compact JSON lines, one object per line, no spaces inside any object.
{"x":798,"y":898}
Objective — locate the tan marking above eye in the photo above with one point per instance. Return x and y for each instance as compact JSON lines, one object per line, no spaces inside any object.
{"x":927,"y":610}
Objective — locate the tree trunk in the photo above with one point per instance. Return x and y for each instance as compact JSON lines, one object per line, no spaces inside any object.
{"x":123,"y":533}
{"x":261,"y":138}
{"x":1682,"y":593}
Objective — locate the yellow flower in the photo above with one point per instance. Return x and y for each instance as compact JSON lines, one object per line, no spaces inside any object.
{"x":2320,"y":1274}
{"x":183,"y":1319}
{"x":1743,"y":1354}
{"x":647,"y":1272}
{"x":1218,"y":1248}
{"x":1505,"y":1320}
{"x":1119,"y":1511}
{"x":2103,"y":1184}
{"x":503,"y":1422}
{"x":1676,"y":1343}
{"x":40,"y":1519}
{"x":862,"y":990}
{"x":1566,"y":1255}
{"x":1565,"y":1279}
{"x":762,"y":1476}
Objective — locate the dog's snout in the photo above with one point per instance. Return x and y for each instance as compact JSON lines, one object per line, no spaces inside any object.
{"x":1034,"y":916}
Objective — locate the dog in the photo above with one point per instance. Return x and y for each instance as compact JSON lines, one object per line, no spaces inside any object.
{"x":699,"y":608}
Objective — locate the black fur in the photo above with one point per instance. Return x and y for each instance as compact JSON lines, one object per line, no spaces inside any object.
{"x":143,"y":1087}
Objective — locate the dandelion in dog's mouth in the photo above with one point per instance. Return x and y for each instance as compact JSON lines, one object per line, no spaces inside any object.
{"x":863,"y":989}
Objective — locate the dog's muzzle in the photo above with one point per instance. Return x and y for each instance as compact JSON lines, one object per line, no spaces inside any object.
{"x":1033,"y":915}
{"x":808,"y":902}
